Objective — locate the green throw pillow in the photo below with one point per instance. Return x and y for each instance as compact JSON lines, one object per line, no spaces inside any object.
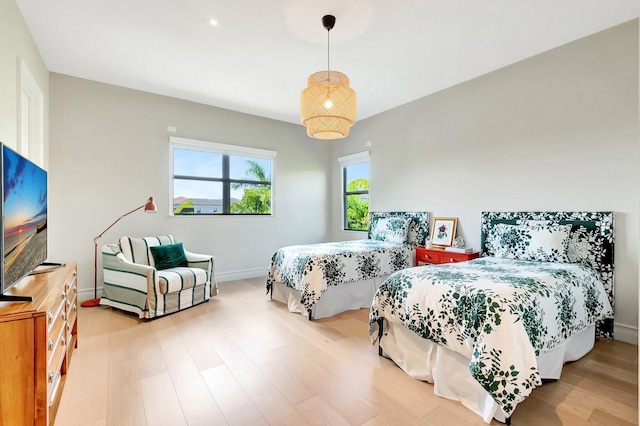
{"x":168,"y":256}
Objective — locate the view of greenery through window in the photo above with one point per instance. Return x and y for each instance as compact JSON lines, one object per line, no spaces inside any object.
{"x":356,"y":196}
{"x":206,"y":183}
{"x":255,"y":198}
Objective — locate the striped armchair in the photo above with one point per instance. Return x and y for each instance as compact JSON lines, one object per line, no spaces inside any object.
{"x":139,"y":277}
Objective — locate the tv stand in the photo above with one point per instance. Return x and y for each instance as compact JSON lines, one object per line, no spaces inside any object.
{"x":37,"y":342}
{"x":12,"y":298}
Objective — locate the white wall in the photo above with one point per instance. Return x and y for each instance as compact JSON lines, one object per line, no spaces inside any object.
{"x":110,"y":151}
{"x":557,"y":132}
{"x":17,"y":44}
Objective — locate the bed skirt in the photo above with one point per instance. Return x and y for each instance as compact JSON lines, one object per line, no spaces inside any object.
{"x":449,"y":371}
{"x":336,"y":299}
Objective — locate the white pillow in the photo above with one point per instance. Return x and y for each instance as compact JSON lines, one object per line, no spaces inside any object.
{"x":391,"y":229}
{"x":540,"y":241}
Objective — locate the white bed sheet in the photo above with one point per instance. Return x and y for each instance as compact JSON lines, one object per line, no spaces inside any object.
{"x":336,"y":299}
{"x":449,"y":371}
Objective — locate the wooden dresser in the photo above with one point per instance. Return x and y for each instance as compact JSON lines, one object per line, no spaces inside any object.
{"x":36,"y":343}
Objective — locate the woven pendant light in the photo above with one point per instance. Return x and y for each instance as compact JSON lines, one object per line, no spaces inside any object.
{"x":328,"y":105}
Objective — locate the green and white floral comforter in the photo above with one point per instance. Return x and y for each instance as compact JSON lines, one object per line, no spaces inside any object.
{"x":499,"y":313}
{"x":312,"y":268}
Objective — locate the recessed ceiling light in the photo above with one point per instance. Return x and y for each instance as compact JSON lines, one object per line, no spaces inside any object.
{"x":213,"y":22}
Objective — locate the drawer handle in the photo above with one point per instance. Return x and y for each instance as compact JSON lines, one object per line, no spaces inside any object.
{"x":64,"y":315}
{"x":50,"y":317}
{"x":64,"y":342}
{"x":51,"y":376}
{"x":63,"y":294}
{"x":451,"y":259}
{"x":51,"y":342}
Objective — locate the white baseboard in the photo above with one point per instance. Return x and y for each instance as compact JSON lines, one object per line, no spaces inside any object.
{"x":625,"y":333}
{"x":241,"y":275}
{"x":87,"y":294}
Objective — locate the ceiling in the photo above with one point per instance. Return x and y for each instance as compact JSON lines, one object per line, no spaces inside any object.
{"x":259,"y":56}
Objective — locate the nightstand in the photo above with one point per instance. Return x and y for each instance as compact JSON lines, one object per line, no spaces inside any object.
{"x":439,"y":256}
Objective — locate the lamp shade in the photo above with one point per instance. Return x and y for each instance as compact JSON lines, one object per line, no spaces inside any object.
{"x":328,"y":105}
{"x":150,"y":207}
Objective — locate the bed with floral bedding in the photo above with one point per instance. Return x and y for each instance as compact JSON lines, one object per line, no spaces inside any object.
{"x":488,"y":331}
{"x":321,"y":280}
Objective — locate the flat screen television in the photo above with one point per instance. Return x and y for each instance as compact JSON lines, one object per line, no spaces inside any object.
{"x":24,"y":220}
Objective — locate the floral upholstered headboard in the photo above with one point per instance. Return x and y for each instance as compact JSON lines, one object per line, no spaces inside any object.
{"x":591,"y":241}
{"x":418,"y":225}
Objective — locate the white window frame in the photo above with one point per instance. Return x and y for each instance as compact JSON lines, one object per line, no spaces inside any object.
{"x":346,"y":161}
{"x":224,"y":149}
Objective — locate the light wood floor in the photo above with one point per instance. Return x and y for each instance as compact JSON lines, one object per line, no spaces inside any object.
{"x":243,"y":359}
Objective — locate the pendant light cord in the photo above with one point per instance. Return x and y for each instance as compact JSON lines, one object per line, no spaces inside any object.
{"x":328,"y":46}
{"x":328,"y":21}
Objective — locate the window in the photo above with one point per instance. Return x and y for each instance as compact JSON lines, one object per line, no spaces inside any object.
{"x":210,"y":178}
{"x":355,"y":190}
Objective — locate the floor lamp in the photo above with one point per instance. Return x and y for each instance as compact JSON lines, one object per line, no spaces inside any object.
{"x":149,"y":207}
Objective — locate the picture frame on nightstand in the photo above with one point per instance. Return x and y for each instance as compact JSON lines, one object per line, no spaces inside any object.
{"x":443,"y":231}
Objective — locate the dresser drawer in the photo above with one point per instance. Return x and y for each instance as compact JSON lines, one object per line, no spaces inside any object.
{"x":70,"y":328}
{"x":71,"y":286}
{"x":56,"y":308}
{"x":71,"y":307}
{"x":54,"y":366}
{"x":439,"y":256}
{"x":55,"y":334}
{"x":424,"y":255}
{"x":72,"y":311}
{"x":54,"y":388}
{"x":448,"y":257}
